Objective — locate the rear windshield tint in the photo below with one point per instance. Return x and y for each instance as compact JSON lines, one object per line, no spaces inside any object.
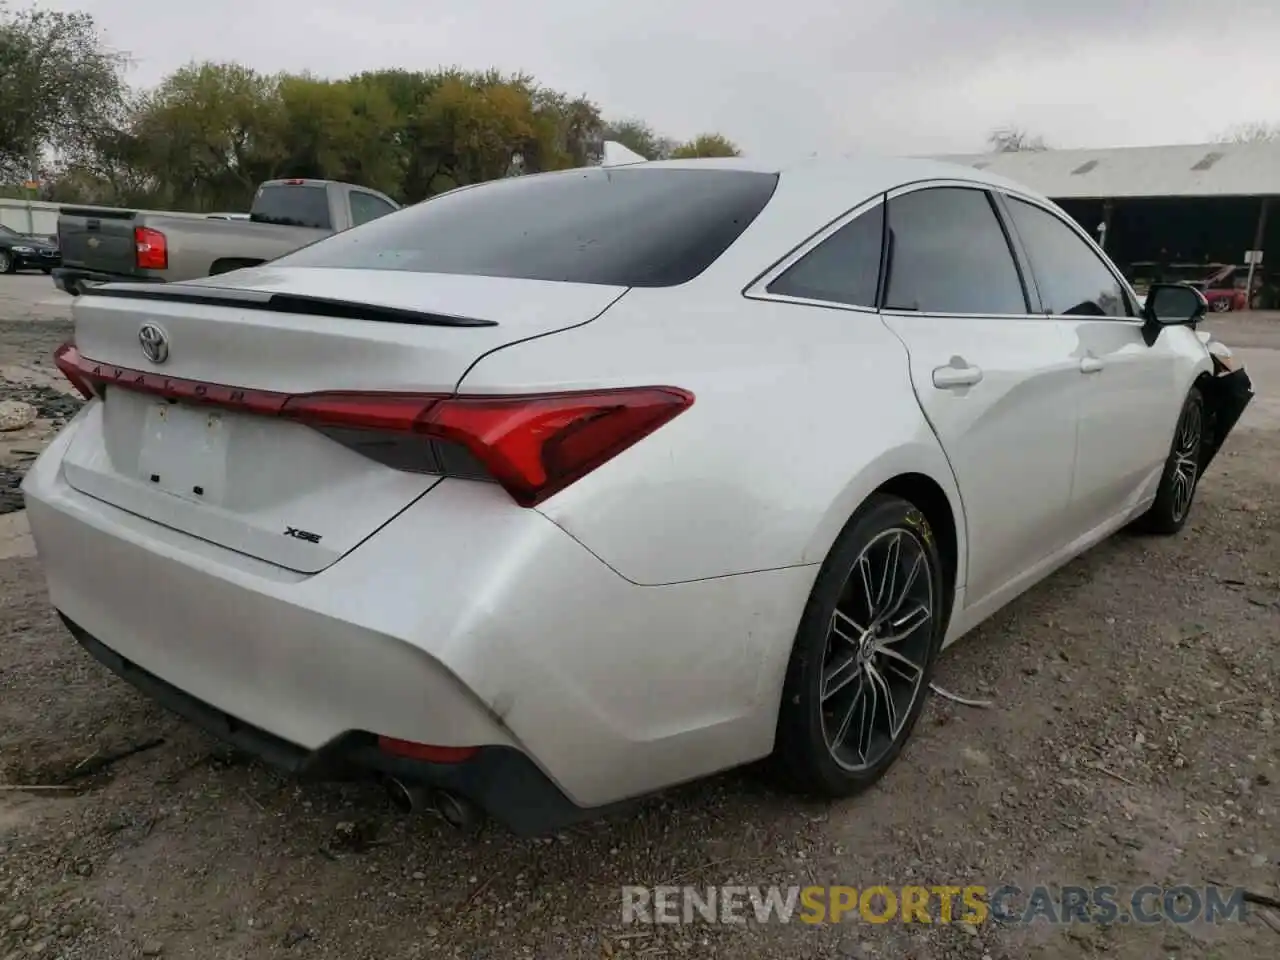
{"x":632,"y":228}
{"x":293,"y":205}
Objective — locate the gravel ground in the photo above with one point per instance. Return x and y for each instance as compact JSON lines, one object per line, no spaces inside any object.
{"x":1130,"y":743}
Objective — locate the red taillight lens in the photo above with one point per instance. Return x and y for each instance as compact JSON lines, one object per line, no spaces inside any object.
{"x":537,"y":445}
{"x":152,"y":249}
{"x":425,"y":751}
{"x":533,"y":445}
{"x":66,"y":359}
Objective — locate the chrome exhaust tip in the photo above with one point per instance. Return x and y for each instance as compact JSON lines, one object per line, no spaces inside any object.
{"x":459,"y":812}
{"x":407,"y":798}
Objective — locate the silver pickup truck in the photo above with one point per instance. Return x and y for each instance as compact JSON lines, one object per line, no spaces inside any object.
{"x":101,"y":246}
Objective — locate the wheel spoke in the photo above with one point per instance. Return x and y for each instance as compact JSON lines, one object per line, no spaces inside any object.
{"x":893,"y":556}
{"x":890,"y":708}
{"x":905,"y":591}
{"x":900,"y":663}
{"x":905,"y":624}
{"x":866,"y":574}
{"x":836,"y":678}
{"x":867,"y":721}
{"x":842,"y":731}
{"x":846,"y":628}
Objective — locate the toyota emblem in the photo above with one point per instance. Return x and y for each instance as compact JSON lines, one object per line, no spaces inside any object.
{"x":155,"y":345}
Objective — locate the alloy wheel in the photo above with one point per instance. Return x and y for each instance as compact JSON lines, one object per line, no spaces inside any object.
{"x":878,"y":645}
{"x":4,"y":262}
{"x":1186,"y":460}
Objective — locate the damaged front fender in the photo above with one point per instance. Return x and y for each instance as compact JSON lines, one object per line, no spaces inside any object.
{"x":1226,"y":395}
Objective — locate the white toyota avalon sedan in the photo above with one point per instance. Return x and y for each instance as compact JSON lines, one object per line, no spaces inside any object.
{"x":555,"y":491}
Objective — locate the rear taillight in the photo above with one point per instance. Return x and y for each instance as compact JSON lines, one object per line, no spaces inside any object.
{"x":152,"y":249}
{"x":67,"y":359}
{"x":534,"y":445}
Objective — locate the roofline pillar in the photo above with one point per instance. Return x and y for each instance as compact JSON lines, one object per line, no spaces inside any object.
{"x":1258,"y":236}
{"x":1108,"y":205}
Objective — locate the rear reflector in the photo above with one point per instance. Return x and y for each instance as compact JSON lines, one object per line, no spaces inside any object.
{"x":425,"y":751}
{"x":534,"y":445}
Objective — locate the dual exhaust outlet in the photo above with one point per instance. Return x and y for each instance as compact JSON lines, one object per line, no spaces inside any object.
{"x":409,"y":798}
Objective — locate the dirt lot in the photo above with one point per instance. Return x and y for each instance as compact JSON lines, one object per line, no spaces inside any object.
{"x":1131,"y":742}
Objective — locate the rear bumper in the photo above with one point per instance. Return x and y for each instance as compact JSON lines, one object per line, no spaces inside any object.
{"x":500,"y":780}
{"x":68,"y":279}
{"x":465,"y":622}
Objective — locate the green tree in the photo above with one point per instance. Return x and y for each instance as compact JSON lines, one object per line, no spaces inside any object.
{"x":60,"y":87}
{"x":208,"y":135}
{"x":338,"y":130}
{"x":706,"y":145}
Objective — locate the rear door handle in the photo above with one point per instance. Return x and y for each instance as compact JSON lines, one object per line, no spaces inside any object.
{"x":1091,"y":365}
{"x":955,"y":375}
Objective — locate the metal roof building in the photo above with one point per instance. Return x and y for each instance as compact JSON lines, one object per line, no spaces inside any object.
{"x":1185,"y":170}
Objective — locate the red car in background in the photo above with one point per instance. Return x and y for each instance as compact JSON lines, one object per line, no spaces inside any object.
{"x":1225,"y":288}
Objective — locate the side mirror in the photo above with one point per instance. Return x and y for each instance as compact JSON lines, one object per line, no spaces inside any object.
{"x":1172,"y":305}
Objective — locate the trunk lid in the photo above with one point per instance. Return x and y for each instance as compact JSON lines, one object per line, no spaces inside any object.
{"x":276,"y":490}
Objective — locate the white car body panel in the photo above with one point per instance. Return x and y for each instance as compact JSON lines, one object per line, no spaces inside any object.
{"x":633,"y":630}
{"x":795,"y":504}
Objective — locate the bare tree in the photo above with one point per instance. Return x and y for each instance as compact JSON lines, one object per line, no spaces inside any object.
{"x":1256,"y":132}
{"x":1013,"y":139}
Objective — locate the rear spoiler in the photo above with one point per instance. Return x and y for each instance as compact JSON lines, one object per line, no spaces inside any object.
{"x":280,"y":303}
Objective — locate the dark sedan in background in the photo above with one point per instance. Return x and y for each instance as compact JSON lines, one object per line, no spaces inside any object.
{"x":23,"y":252}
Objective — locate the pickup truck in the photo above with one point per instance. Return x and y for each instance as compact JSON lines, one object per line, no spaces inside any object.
{"x":101,"y":246}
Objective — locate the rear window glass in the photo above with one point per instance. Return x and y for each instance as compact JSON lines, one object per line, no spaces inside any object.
{"x":293,"y":205}
{"x":633,"y":228}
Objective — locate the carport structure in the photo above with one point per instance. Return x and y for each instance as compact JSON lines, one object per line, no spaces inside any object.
{"x":1184,"y":212}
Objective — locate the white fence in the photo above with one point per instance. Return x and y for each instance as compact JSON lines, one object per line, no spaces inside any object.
{"x":41,"y":217}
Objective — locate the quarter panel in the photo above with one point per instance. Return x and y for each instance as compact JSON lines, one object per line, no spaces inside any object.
{"x":800,"y":412}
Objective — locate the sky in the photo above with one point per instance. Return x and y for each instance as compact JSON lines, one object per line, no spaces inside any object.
{"x":811,"y":76}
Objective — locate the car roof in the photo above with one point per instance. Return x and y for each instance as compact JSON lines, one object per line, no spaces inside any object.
{"x":814,"y":191}
{"x":867,"y":173}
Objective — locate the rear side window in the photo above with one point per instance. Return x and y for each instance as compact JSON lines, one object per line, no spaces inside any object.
{"x":623,"y":227}
{"x":948,"y":254}
{"x":844,"y":268}
{"x":1071,"y":278}
{"x":366,"y":207}
{"x":292,"y":205}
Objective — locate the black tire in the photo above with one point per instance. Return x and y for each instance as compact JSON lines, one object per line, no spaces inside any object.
{"x":7,"y":264}
{"x":46,"y":270}
{"x":1181,"y":476}
{"x":804,"y":759}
